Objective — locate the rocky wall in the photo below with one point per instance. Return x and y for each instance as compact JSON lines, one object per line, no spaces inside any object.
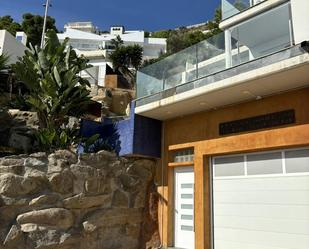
{"x":94,"y":201}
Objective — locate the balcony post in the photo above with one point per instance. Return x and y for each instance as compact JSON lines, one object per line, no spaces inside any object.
{"x":228,"y":48}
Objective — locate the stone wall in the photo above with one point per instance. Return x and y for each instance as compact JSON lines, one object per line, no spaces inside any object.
{"x":95,"y":201}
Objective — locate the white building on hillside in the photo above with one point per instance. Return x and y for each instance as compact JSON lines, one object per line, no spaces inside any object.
{"x":11,"y":46}
{"x":82,"y":26}
{"x":85,"y":39}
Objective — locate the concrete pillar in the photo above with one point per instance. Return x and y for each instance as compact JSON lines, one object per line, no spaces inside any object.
{"x":228,"y":48}
{"x":300,"y":20}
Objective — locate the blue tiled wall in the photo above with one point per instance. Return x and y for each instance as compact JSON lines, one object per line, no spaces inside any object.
{"x":137,"y":135}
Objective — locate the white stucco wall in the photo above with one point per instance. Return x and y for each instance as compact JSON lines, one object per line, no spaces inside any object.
{"x":100,"y":66}
{"x":1,"y":40}
{"x":10,"y":46}
{"x":300,"y":15}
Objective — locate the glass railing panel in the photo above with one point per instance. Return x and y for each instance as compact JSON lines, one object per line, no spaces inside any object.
{"x":233,"y":7}
{"x":167,"y":73}
{"x":178,"y":66}
{"x":147,"y":84}
{"x":211,"y":55}
{"x":204,"y":58}
{"x":255,"y":38}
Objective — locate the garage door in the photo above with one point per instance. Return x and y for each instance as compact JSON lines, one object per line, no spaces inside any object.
{"x":261,"y":200}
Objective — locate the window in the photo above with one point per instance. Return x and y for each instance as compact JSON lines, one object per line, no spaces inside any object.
{"x":186,"y":155}
{"x":261,"y":164}
{"x":187,"y":228}
{"x":297,"y":161}
{"x":186,"y":196}
{"x":187,"y":185}
{"x":229,"y":166}
{"x":186,"y":217}
{"x":283,"y":162}
{"x":186,"y":206}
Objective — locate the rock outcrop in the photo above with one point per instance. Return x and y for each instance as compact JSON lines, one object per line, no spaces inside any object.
{"x":61,"y":201}
{"x":17,"y":129}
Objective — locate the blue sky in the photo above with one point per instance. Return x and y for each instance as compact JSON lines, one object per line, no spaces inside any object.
{"x":148,"y":15}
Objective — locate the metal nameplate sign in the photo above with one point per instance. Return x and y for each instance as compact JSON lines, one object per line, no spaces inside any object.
{"x":258,"y":122}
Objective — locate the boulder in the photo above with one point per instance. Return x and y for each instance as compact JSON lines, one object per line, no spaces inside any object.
{"x":20,"y":140}
{"x":143,"y":168}
{"x":81,"y":174}
{"x":43,"y":239}
{"x":100,"y":160}
{"x":15,"y":238}
{"x":111,"y":217}
{"x":98,"y":185}
{"x":129,"y":182}
{"x":120,"y":101}
{"x":12,"y":161}
{"x":45,"y":200}
{"x":14,"y":185}
{"x":83,"y":171}
{"x":120,"y":199}
{"x":62,"y":182}
{"x":36,"y":168}
{"x":24,"y":118}
{"x":15,"y":169}
{"x":83,"y":202}
{"x":60,"y":160}
{"x":59,"y":218}
{"x":35,"y":162}
{"x":30,"y":227}
{"x":39,"y":155}
{"x":16,"y":202}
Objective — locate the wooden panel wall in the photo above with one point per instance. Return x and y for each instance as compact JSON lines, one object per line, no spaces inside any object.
{"x":201,"y":131}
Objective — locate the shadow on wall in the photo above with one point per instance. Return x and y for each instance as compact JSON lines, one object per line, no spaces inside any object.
{"x":136,"y":135}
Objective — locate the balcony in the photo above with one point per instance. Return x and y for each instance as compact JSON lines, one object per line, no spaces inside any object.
{"x":205,"y":58}
{"x":242,"y":54}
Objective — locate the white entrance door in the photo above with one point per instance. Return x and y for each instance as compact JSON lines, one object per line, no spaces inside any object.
{"x":184,"y":207}
{"x":261,"y":200}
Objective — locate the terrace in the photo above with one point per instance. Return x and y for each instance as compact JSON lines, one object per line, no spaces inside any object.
{"x":203,"y":76}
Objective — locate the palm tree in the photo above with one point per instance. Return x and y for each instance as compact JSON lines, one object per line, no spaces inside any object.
{"x":117,"y":42}
{"x":127,"y":60}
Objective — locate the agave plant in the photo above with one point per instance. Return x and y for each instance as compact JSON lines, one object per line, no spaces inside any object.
{"x":52,"y":77}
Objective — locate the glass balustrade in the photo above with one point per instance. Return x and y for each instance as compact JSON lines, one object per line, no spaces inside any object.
{"x":202,"y":59}
{"x":233,"y":7}
{"x":237,"y":45}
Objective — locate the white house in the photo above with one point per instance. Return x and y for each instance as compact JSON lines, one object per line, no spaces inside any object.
{"x":84,"y":38}
{"x":11,"y":46}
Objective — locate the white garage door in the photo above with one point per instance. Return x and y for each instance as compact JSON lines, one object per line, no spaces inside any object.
{"x":261,"y":200}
